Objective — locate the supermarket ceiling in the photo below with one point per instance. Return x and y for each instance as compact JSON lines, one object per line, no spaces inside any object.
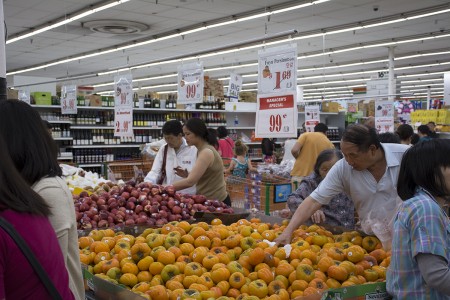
{"x":341,"y":43}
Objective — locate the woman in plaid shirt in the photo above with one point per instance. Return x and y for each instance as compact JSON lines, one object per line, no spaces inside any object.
{"x":420,"y":258}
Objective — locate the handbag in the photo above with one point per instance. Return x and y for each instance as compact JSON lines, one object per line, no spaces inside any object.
{"x":37,"y":267}
{"x":163,"y":167}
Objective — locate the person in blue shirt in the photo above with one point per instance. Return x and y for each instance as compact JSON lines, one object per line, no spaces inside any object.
{"x":424,"y":133}
{"x":241,"y":164}
{"x":420,"y":258}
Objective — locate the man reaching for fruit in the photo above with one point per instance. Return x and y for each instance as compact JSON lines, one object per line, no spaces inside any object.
{"x":368,"y":174}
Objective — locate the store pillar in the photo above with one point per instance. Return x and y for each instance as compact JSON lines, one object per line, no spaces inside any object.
{"x":2,"y":54}
{"x":391,"y":83}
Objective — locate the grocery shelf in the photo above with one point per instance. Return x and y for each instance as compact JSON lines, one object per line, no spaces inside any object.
{"x":179,"y":110}
{"x":63,"y":138}
{"x":92,"y":127}
{"x":240,"y":127}
{"x":90,"y":165}
{"x":104,"y":146}
{"x":59,"y":121}
{"x":65,"y":157}
{"x":147,"y":127}
{"x":335,"y":142}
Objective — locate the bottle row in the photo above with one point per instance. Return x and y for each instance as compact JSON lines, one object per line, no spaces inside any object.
{"x":106,"y":137}
{"x":61,"y":131}
{"x":90,"y":156}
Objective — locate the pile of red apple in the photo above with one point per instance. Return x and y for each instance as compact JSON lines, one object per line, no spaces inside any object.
{"x":140,"y":204}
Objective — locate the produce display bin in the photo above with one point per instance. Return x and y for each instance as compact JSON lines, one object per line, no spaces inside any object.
{"x":264,"y":192}
{"x":129,"y":169}
{"x":357,"y":292}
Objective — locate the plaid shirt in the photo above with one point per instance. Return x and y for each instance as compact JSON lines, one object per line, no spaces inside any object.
{"x":419,"y":227}
{"x":339,"y":212}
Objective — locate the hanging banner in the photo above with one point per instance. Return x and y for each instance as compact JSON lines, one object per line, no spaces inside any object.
{"x":123,"y":122}
{"x":352,"y":106}
{"x":312,"y":117}
{"x":276,"y":116}
{"x":277,"y":69}
{"x":123,"y":91}
{"x":190,"y":83}
{"x":24,"y":96}
{"x":69,"y":100}
{"x":234,"y":86}
{"x":384,"y":116}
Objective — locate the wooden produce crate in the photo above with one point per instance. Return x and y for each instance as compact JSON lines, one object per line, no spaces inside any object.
{"x":131,"y":168}
{"x":264,"y":192}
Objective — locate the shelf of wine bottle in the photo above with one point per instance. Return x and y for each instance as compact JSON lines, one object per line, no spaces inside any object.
{"x":102,"y":136}
{"x":99,"y":156}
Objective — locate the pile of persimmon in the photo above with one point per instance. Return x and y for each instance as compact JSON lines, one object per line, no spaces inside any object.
{"x":213,"y":261}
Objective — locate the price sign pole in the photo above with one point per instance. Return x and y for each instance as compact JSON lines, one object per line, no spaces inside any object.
{"x":190,"y":83}
{"x":276,"y":114}
{"x":69,"y":100}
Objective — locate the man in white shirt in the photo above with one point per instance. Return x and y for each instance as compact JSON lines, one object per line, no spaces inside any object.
{"x":368,"y":174}
{"x":179,"y":156}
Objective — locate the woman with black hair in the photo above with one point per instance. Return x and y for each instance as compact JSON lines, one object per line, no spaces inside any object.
{"x":226,"y":144}
{"x":340,"y":211}
{"x":34,"y":154}
{"x":27,"y":212}
{"x":420,"y":258}
{"x":405,"y":133}
{"x":207,"y":172}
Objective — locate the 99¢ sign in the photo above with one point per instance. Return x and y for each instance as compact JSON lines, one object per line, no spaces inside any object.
{"x":276,"y":116}
{"x":190,"y":83}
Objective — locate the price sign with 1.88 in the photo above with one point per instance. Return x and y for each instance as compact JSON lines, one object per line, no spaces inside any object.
{"x":276,"y":115}
{"x":123,"y":122}
{"x":69,"y":99}
{"x":277,"y":69}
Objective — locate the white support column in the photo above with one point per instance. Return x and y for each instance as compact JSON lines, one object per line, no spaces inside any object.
{"x":391,"y":86}
{"x":2,"y":54}
{"x":428,"y":97}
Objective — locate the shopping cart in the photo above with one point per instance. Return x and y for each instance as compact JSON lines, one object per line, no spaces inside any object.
{"x":129,"y":169}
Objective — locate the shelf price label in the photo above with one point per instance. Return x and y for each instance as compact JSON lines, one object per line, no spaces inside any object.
{"x":190,"y":83}
{"x":123,"y":91}
{"x":69,"y":100}
{"x":312,"y":117}
{"x":277,"y":69}
{"x":276,"y":116}
{"x":123,"y":122}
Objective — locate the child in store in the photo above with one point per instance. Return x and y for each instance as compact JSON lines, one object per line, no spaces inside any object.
{"x":420,"y":258}
{"x":241,"y":163}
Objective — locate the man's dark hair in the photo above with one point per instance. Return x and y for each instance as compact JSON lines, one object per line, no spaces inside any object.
{"x":325,"y":156}
{"x":420,"y":169}
{"x":415,"y":139}
{"x":362,"y":136}
{"x":405,"y":131}
{"x":31,"y":147}
{"x":172,"y":127}
{"x":389,"y":137}
{"x":424,"y":129}
{"x":222,"y":132}
{"x":321,"y":128}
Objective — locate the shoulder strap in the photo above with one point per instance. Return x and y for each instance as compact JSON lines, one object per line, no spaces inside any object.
{"x":37,"y":267}
{"x":163,"y":166}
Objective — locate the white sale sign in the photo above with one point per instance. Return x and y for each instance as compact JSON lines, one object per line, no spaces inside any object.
{"x":312,"y":117}
{"x":384,"y":116}
{"x":69,"y":100}
{"x":234,"y":86}
{"x":24,"y":96}
{"x":276,"y":115}
{"x":190,"y":83}
{"x":123,"y":87}
{"x":277,"y":69}
{"x":123,"y":122}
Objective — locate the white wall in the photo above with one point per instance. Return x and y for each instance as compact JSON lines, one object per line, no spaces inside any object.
{"x":34,"y":84}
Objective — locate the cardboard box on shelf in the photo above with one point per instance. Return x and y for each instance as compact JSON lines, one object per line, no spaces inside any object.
{"x":330,"y":107}
{"x":12,"y":94}
{"x":42,"y":98}
{"x":95,"y":100}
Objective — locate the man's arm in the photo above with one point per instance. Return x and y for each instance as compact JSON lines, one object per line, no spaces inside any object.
{"x":155,"y":172}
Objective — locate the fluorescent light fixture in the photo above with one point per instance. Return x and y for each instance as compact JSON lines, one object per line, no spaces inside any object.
{"x":421,"y":85}
{"x":205,"y":26}
{"x":428,"y":14}
{"x":422,"y":54}
{"x":230,"y":67}
{"x":76,"y":16}
{"x":342,"y":66}
{"x":158,"y":86}
{"x":422,"y":80}
{"x":435,"y":64}
{"x":422,"y":74}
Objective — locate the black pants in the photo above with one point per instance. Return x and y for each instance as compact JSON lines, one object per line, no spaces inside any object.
{"x":227,"y":200}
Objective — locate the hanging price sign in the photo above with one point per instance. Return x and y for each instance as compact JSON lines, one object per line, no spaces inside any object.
{"x":234,"y":86}
{"x":352,"y":106}
{"x":276,"y":116}
{"x":69,"y":100}
{"x":312,"y":117}
{"x":277,"y":69}
{"x":24,"y":96}
{"x":384,"y":116}
{"x":123,"y":91}
{"x":190,"y":83}
{"x":123,"y":122}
